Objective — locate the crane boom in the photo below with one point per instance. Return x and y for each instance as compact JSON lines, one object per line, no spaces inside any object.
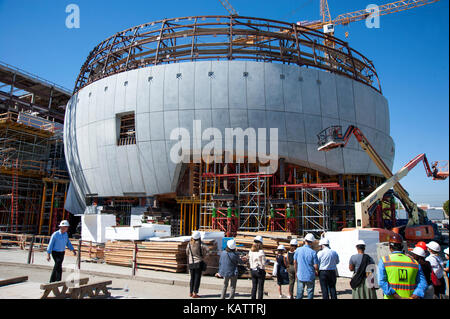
{"x":346,"y":18}
{"x":362,"y":207}
{"x":332,"y":137}
{"x":384,"y":9}
{"x":228,"y":7}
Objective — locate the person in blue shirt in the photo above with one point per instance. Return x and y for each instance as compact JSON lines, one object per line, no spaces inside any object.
{"x":56,"y":248}
{"x":228,"y":268}
{"x":306,"y":265}
{"x":419,"y":283}
{"x":328,"y":259}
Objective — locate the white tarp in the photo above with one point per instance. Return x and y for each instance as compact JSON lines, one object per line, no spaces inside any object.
{"x":344,"y":243}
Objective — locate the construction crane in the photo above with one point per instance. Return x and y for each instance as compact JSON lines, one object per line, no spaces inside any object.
{"x":227,"y":5}
{"x":332,"y":137}
{"x":327,"y":24}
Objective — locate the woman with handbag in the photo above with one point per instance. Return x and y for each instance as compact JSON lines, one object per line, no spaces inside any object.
{"x":195,"y":252}
{"x":257,"y":260}
{"x":282,"y":273}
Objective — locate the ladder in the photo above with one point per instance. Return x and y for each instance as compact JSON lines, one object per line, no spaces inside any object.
{"x":15,"y":199}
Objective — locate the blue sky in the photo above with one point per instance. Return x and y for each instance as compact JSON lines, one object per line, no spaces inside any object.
{"x":410,"y":51}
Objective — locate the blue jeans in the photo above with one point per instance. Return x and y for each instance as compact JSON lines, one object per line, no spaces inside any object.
{"x":309,"y":289}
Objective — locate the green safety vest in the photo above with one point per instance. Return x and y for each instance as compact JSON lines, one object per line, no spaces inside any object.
{"x":229,"y":212}
{"x":401,"y":271}
{"x":272,"y":212}
{"x":214,"y":213}
{"x":290,"y":213}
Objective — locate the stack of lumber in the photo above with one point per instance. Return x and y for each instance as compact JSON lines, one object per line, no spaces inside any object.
{"x":167,"y":256}
{"x":89,"y":250}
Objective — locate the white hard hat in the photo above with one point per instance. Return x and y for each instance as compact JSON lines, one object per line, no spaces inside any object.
{"x":310,"y":237}
{"x":419,"y":251}
{"x":231,"y":244}
{"x":324,"y":241}
{"x":434,"y":246}
{"x":196,"y":235}
{"x":281,"y":247}
{"x":259,"y":238}
{"x":446,"y":251}
{"x":64,"y":223}
{"x":360,"y":242}
{"x":294,"y":242}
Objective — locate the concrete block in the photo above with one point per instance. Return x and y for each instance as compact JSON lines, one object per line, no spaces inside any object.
{"x":157,"y":126}
{"x":219,"y":84}
{"x":131,"y":90}
{"x":328,"y":96}
{"x":142,"y":127}
{"x":237,"y":85}
{"x":186,"y":98}
{"x":119,"y":97}
{"x":170,"y":122}
{"x":255,"y":86}
{"x":171,"y":84}
{"x":124,"y":168}
{"x":277,"y":120}
{"x":274,"y":86}
{"x":292,"y":89}
{"x":295,"y":127}
{"x":346,"y":104}
{"x":148,"y":171}
{"x":202,"y":85}
{"x":313,"y":125}
{"x":157,"y":88}
{"x":160,"y":163}
{"x":143,"y":90}
{"x":310,"y":91}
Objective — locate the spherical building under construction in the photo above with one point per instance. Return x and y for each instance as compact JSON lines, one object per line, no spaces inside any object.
{"x":139,"y":85}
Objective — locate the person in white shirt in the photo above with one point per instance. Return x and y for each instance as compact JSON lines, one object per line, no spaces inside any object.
{"x":328,"y":259}
{"x":257,"y":260}
{"x":437,"y":265}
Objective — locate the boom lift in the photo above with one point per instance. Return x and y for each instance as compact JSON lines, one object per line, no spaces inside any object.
{"x":332,"y":137}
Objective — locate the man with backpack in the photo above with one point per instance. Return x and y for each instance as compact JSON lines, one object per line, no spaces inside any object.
{"x":358,"y":264}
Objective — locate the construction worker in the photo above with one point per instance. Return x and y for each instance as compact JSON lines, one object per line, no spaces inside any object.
{"x":423,"y":245}
{"x":228,"y":268}
{"x":328,"y":259}
{"x":418,"y":254}
{"x":399,"y":275}
{"x":291,"y":269}
{"x":307,"y":266}
{"x":437,"y":264}
{"x":57,"y":247}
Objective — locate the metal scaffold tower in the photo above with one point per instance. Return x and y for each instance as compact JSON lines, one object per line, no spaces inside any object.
{"x":253,"y":201}
{"x":315,"y":210}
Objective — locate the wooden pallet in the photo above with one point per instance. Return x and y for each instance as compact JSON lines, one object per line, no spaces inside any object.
{"x":59,"y":288}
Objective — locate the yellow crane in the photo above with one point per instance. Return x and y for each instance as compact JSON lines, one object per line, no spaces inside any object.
{"x":327,"y":24}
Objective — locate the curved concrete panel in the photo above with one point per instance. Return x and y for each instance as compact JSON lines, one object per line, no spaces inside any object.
{"x":298,"y":101}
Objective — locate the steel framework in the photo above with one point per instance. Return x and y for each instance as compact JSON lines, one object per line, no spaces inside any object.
{"x":231,"y":37}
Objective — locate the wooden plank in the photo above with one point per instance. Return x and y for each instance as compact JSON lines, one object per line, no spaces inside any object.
{"x":13,"y":280}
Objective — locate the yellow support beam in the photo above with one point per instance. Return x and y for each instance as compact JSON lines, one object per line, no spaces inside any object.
{"x":41,"y":218}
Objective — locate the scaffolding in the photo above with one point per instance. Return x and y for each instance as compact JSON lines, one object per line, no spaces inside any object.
{"x":31,"y":154}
